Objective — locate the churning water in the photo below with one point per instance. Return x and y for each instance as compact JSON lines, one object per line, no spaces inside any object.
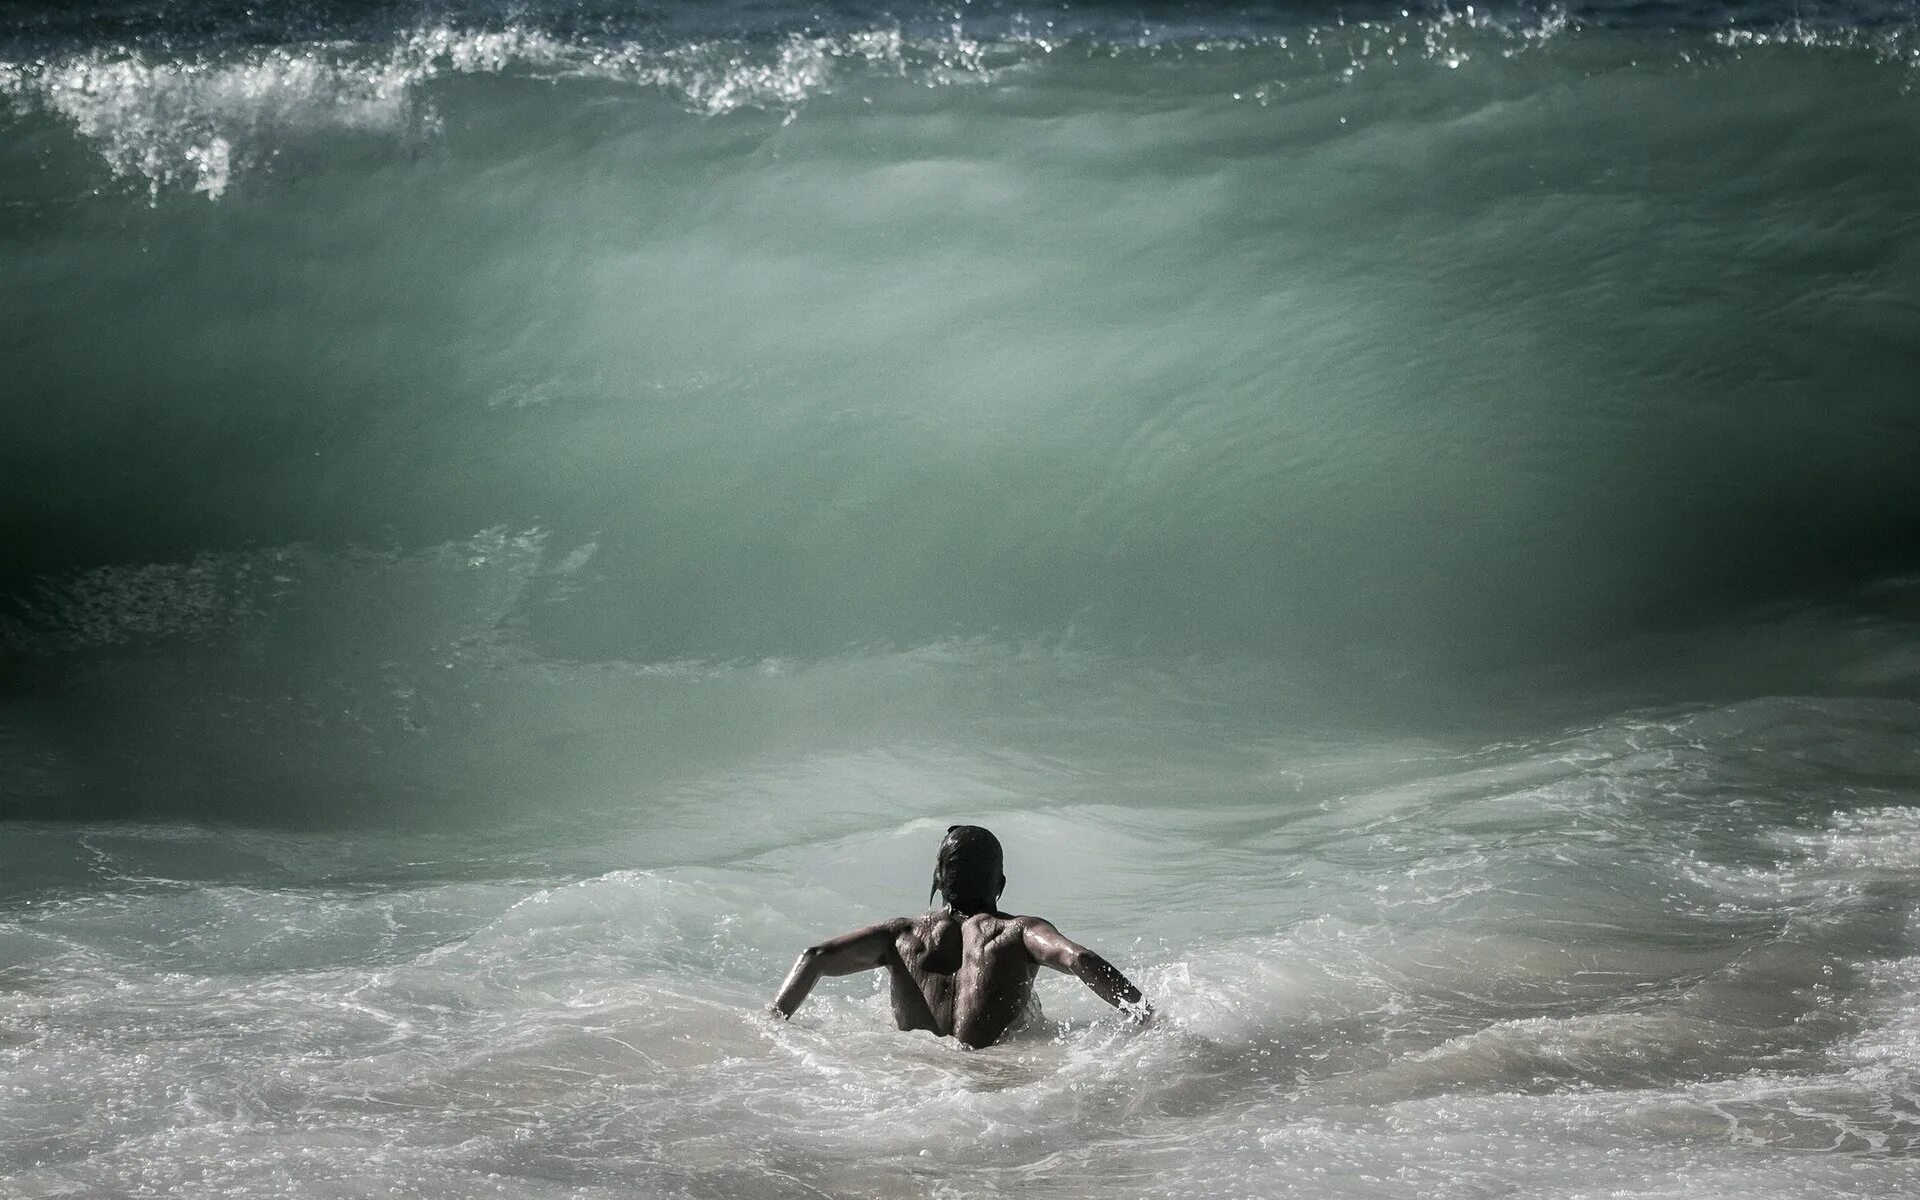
{"x":519,"y":517}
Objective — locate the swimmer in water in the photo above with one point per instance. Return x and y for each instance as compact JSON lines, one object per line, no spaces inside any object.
{"x":965,"y":969}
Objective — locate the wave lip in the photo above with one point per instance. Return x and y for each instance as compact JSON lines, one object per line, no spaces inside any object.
{"x":181,"y":122}
{"x":195,"y":120}
{"x":190,"y":122}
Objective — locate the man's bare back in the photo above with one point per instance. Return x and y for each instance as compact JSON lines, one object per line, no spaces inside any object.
{"x":963,"y":970}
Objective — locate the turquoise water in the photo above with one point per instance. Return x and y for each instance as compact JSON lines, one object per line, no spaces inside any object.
{"x":518,"y":521}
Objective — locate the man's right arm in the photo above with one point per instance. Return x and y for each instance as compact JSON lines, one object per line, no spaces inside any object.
{"x":1051,"y":948}
{"x":861,"y":950}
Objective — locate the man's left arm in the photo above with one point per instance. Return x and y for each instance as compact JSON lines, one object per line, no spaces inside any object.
{"x":1051,"y":948}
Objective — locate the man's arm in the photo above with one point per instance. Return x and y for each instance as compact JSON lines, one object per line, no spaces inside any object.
{"x":1051,"y":948}
{"x":861,"y":950}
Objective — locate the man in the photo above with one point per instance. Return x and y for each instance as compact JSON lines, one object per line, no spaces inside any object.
{"x":965,"y":969}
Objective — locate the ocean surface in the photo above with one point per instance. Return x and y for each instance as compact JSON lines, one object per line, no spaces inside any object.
{"x":517,"y":517}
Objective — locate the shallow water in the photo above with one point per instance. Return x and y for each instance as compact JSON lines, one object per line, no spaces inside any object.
{"x":520,"y":520}
{"x":1649,"y":955}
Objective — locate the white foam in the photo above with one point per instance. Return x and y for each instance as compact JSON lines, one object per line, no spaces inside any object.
{"x":192,"y":122}
{"x":174,"y":122}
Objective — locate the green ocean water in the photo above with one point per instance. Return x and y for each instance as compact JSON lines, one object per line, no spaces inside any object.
{"x":517,"y":522}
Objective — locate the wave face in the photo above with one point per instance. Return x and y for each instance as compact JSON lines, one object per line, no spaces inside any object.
{"x":1459,"y":335}
{"x":405,"y":379}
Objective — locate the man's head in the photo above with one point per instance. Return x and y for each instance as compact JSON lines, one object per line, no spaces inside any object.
{"x":968,"y":871}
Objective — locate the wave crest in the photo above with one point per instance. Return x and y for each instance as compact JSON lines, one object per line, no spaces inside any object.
{"x":190,"y":123}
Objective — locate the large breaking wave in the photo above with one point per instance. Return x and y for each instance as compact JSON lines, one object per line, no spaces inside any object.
{"x":1388,"y":361}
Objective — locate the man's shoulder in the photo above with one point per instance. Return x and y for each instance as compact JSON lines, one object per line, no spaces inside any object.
{"x":1021,"y":923}
{"x":1028,"y":921}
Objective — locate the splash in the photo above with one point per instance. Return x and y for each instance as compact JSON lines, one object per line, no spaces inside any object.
{"x":193,"y":123}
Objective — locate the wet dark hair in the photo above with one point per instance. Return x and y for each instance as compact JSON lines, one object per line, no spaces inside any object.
{"x":968,"y":872}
